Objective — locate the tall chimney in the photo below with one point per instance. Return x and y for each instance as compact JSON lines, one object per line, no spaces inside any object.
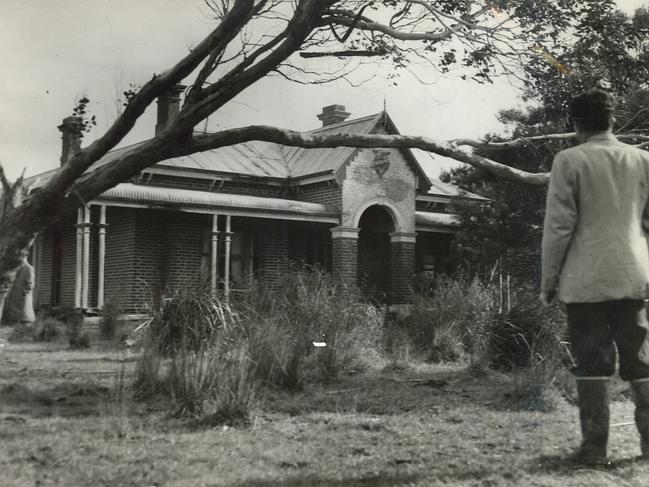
{"x":168,"y":107}
{"x":72,"y":129}
{"x":333,"y":114}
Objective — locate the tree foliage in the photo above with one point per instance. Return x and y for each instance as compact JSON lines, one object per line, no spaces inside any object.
{"x":612,"y":52}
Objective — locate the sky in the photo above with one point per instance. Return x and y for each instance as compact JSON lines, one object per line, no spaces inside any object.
{"x":53,"y":52}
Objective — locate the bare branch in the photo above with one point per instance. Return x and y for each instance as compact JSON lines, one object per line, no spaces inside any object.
{"x":392,"y":32}
{"x":510,"y":144}
{"x":347,"y":53}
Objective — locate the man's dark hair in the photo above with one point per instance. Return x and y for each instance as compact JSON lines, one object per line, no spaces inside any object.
{"x":593,"y":110}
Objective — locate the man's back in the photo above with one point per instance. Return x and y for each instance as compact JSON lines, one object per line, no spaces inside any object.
{"x":600,"y":194}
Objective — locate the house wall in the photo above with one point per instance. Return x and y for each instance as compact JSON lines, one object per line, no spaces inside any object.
{"x":45,"y":269}
{"x":183,"y":237}
{"x":362,"y":185}
{"x":68,"y":261}
{"x":274,"y":249}
{"x":326,"y":193}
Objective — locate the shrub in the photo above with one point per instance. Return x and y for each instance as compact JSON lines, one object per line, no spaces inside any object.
{"x":42,"y":330}
{"x":452,"y":320}
{"x":203,"y":370}
{"x":527,"y":333}
{"x":48,"y":330}
{"x":21,"y":333}
{"x":74,"y":324}
{"x":311,"y":306}
{"x":189,"y":318}
{"x":109,"y":322}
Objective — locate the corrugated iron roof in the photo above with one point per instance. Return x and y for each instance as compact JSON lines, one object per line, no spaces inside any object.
{"x":302,"y":162}
{"x":439,"y":188}
{"x":255,"y":158}
{"x":426,"y":218}
{"x":268,"y":160}
{"x":204,"y":199}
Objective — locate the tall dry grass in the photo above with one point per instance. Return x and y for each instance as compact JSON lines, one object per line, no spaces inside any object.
{"x":196,"y":354}
{"x":310,"y":307}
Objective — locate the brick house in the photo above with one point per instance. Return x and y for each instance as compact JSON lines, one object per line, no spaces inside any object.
{"x":228,"y":215}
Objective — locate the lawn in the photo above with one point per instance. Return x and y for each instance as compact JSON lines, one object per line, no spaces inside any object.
{"x":63,"y":421}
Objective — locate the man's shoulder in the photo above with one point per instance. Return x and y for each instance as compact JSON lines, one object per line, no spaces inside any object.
{"x":570,"y":153}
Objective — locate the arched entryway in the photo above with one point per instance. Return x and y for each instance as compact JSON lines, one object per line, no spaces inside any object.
{"x":374,"y":252}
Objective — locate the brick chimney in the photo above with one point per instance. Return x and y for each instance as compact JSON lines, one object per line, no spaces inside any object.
{"x":168,"y":107}
{"x":333,"y":114}
{"x":72,"y":132}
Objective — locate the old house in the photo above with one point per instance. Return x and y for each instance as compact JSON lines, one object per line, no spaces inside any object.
{"x":229,"y":215}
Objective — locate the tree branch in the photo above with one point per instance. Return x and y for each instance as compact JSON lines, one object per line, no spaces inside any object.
{"x":348,"y":53}
{"x":511,"y":144}
{"x":131,"y":162}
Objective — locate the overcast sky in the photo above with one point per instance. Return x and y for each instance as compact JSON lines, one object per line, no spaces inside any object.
{"x":53,"y":52}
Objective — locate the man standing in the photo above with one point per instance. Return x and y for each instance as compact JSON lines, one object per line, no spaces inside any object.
{"x":595,"y":255}
{"x":19,"y":306}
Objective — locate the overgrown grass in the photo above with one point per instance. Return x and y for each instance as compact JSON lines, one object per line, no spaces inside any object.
{"x":44,"y":329}
{"x":109,"y":323}
{"x":459,"y":319}
{"x":451,"y":321}
{"x":312,"y":328}
{"x":196,"y":355}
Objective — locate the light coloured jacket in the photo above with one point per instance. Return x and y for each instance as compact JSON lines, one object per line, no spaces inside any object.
{"x":19,"y":302}
{"x":596,"y":222}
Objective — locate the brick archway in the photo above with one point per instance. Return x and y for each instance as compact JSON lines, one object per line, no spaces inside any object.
{"x":376,"y":224}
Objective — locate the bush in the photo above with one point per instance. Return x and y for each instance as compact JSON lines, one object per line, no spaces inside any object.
{"x":452,"y":320}
{"x":528,"y":333}
{"x":311,"y":306}
{"x":21,"y":333}
{"x":197,"y":356}
{"x":109,"y":322}
{"x":188,"y":319}
{"x":48,"y":330}
{"x":74,"y":324}
{"x":42,"y":330}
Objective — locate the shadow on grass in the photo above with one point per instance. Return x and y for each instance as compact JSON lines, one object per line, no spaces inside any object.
{"x":385,"y":394}
{"x":564,"y":465}
{"x":66,"y":399}
{"x":308,"y":481}
{"x":116,"y":360}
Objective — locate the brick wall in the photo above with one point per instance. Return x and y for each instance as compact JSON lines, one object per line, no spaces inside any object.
{"x":345,"y":259}
{"x":183,"y":237}
{"x":274,"y":250}
{"x":45,"y":269}
{"x":323,"y":193}
{"x":68,"y":261}
{"x":149,"y":264}
{"x":120,"y":257}
{"x":403,"y":268}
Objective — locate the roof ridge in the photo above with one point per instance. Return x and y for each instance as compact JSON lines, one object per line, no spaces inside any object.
{"x":346,"y":122}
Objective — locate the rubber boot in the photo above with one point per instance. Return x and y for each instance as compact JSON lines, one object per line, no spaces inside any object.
{"x":593,"y":394}
{"x":641,"y":397}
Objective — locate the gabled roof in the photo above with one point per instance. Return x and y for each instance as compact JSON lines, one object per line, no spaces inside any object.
{"x":266,"y":160}
{"x":303,"y":162}
{"x":255,"y":158}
